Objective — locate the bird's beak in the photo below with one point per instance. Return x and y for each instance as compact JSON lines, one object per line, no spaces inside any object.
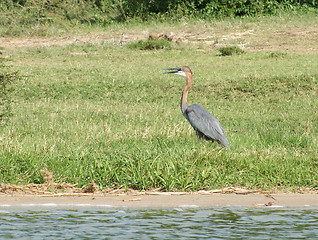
{"x":172,"y":70}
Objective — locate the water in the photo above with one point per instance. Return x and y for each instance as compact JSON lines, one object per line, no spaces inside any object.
{"x":82,"y":222}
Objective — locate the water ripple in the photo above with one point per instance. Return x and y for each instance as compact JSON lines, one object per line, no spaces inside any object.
{"x":181,"y":223}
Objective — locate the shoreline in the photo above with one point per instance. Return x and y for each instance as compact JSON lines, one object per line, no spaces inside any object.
{"x":162,"y":200}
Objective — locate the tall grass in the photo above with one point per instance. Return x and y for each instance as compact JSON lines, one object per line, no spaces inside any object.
{"x":57,"y":18}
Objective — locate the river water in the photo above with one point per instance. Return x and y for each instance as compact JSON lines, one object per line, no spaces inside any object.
{"x":106,"y":222}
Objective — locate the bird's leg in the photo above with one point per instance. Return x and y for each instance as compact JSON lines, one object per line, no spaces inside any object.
{"x":199,"y":135}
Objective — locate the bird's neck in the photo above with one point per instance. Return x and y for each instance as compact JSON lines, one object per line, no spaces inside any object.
{"x":184,"y":97}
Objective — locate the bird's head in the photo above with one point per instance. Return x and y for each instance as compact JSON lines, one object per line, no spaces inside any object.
{"x":184,"y":71}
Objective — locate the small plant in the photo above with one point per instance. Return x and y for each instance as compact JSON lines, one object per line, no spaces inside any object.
{"x":277,"y":55}
{"x":150,"y":44}
{"x":6,"y":77}
{"x":232,"y":50}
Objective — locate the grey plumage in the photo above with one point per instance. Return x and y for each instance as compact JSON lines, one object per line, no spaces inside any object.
{"x":205,"y":124}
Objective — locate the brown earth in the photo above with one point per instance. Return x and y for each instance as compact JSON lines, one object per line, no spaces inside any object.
{"x":163,"y":199}
{"x":68,"y":194}
{"x":296,"y":40}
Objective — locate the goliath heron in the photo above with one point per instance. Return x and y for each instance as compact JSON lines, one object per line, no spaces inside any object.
{"x":203,"y":122}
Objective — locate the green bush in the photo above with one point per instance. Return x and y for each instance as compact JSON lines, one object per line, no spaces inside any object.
{"x":227,"y":51}
{"x":216,"y":8}
{"x":150,"y":44}
{"x":36,"y":17}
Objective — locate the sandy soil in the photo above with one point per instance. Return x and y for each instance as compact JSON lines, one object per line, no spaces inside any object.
{"x":165,"y":200}
{"x":57,"y":194}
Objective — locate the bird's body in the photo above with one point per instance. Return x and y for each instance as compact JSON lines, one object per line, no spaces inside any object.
{"x":203,"y":122}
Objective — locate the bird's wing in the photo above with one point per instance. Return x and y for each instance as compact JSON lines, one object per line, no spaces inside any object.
{"x":205,"y":122}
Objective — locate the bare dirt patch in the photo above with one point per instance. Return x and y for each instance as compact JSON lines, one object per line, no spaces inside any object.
{"x":64,"y":194}
{"x":297,"y":40}
{"x":130,"y":198}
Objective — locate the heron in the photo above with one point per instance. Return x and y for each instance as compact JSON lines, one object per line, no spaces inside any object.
{"x":204,"y":123}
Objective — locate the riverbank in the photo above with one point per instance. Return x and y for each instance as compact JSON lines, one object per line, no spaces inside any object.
{"x":162,"y":200}
{"x":88,"y":108}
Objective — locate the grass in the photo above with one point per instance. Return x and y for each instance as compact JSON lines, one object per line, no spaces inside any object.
{"x":106,"y":113}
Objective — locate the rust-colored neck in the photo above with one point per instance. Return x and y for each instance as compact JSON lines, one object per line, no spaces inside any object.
{"x":184,"y":96}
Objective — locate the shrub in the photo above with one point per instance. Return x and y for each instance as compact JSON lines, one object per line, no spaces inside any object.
{"x":150,"y":44}
{"x":277,"y":55}
{"x":227,"y":51}
{"x":16,"y":12}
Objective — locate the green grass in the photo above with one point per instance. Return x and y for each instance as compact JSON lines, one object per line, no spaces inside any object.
{"x":106,"y":113}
